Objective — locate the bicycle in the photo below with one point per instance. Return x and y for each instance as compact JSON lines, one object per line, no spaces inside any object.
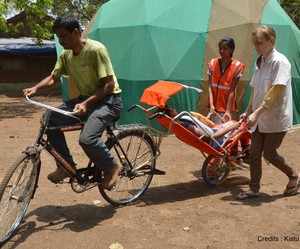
{"x":134,"y":146}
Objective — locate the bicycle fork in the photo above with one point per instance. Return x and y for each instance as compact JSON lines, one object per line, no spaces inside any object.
{"x":33,"y":151}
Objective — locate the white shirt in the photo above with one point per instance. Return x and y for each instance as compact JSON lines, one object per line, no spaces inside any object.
{"x":275,"y":70}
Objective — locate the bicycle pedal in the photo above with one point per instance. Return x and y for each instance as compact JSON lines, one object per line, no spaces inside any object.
{"x":158,"y":172}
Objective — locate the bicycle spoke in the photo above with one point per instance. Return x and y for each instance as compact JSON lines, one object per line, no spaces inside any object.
{"x":135,"y":177}
{"x":16,"y":191}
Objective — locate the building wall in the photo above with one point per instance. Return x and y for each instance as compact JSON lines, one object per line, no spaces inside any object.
{"x":21,"y":70}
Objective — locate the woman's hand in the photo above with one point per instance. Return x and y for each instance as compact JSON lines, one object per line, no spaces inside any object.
{"x":226,"y":117}
{"x":243,"y":117}
{"x":252,"y":119}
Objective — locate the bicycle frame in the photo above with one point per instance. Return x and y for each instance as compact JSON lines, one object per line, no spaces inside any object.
{"x":87,"y":177}
{"x":42,"y":142}
{"x":135,"y":148}
{"x":72,"y":172}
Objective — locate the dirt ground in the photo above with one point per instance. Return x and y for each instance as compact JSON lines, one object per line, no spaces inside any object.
{"x":178,"y":210}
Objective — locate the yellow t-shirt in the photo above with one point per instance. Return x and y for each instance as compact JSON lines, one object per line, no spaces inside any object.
{"x":87,"y":68}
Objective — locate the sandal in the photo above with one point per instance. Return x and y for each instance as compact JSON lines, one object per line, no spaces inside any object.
{"x":246,"y":195}
{"x":292,"y":190}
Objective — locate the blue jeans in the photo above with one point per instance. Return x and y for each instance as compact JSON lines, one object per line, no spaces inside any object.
{"x":98,"y":116}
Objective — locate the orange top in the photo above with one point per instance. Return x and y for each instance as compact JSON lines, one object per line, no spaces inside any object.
{"x":160,"y":92}
{"x":221,"y":82}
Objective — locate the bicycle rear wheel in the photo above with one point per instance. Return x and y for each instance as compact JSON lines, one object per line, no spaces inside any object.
{"x":214,"y":170}
{"x":16,"y":191}
{"x":135,"y":151}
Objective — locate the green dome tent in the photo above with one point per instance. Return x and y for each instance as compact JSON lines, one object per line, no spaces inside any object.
{"x":174,"y":39}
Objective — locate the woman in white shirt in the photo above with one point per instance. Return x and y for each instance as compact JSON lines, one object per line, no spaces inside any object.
{"x":269,"y":113}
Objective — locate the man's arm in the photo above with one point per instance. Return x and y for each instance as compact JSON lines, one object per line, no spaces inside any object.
{"x":47,"y":82}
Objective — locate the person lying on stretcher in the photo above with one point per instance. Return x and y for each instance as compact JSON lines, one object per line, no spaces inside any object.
{"x":218,"y":131}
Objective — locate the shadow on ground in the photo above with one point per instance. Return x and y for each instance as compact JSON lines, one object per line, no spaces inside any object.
{"x":17,"y":107}
{"x":77,"y":218}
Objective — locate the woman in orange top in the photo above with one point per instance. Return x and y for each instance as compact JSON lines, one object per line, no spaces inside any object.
{"x":224,"y":74}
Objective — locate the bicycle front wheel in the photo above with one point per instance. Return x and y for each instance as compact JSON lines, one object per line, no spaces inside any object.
{"x":214,"y":170}
{"x":16,"y":191}
{"x":135,"y":151}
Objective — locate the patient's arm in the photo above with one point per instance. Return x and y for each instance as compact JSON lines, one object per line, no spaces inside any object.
{"x":199,"y":132}
{"x":225,"y":128}
{"x":221,"y":131}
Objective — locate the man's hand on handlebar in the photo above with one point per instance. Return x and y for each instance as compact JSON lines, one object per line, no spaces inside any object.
{"x":80,"y":109}
{"x":29,"y":91}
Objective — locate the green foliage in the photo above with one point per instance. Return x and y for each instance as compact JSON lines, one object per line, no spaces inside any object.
{"x":84,"y":10}
{"x":36,"y":13}
{"x":38,"y":10}
{"x":292,"y":8}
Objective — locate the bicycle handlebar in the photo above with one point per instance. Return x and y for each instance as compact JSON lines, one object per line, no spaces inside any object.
{"x":49,"y":107}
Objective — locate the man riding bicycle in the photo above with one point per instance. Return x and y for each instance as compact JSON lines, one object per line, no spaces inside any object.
{"x":88,"y":65}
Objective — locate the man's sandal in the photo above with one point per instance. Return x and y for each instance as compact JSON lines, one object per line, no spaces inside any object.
{"x":246,"y":195}
{"x":292,"y":190}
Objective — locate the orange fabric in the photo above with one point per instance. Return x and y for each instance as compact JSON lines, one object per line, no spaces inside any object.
{"x":220,"y":83}
{"x":159,"y":93}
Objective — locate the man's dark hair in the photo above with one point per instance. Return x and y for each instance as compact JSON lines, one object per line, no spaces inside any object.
{"x":68,"y":22}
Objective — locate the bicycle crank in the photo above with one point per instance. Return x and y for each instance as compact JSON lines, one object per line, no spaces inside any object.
{"x":79,"y":188}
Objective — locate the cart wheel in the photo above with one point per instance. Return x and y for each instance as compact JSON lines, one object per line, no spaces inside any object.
{"x":214,"y":170}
